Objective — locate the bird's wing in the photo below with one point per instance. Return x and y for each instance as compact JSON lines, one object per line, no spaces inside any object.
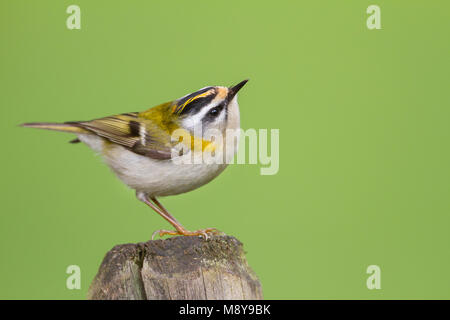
{"x":142,"y":136}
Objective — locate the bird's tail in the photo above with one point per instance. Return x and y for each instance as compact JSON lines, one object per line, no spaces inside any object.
{"x":64,"y":127}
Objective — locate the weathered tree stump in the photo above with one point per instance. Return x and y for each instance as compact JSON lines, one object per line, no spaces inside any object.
{"x":178,"y":268}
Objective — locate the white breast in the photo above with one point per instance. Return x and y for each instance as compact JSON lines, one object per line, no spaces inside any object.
{"x":154,"y":177}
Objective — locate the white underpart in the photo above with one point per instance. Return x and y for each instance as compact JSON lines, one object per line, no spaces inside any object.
{"x":158,"y":177}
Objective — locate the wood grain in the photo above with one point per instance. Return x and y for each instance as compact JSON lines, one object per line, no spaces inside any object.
{"x":178,"y":268}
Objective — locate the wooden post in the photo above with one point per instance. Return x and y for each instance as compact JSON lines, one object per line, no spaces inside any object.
{"x":178,"y":268}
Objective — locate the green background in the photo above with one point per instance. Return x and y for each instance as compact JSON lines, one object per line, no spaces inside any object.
{"x":364,"y":139}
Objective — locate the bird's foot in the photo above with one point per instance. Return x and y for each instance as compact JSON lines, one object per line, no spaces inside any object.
{"x":202,"y":233}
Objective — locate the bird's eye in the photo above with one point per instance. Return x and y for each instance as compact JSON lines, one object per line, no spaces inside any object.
{"x":214,"y":111}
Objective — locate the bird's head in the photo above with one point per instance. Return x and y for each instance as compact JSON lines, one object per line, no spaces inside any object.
{"x":209,"y":108}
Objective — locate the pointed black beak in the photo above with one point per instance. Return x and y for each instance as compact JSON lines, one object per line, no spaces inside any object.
{"x":234,"y":89}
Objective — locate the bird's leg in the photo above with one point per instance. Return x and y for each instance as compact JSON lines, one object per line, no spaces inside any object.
{"x":159,"y":204}
{"x":143,"y":197}
{"x":180,"y":230}
{"x":203,"y":232}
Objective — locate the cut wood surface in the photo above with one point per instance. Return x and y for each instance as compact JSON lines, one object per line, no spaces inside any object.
{"x":178,"y":268}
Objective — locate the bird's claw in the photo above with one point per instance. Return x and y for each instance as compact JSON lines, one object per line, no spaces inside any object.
{"x":202,"y":233}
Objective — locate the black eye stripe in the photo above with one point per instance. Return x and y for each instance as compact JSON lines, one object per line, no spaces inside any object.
{"x":214,"y":112}
{"x":218,"y":108}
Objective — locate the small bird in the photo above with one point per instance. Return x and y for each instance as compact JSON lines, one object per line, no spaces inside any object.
{"x":139,"y":148}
